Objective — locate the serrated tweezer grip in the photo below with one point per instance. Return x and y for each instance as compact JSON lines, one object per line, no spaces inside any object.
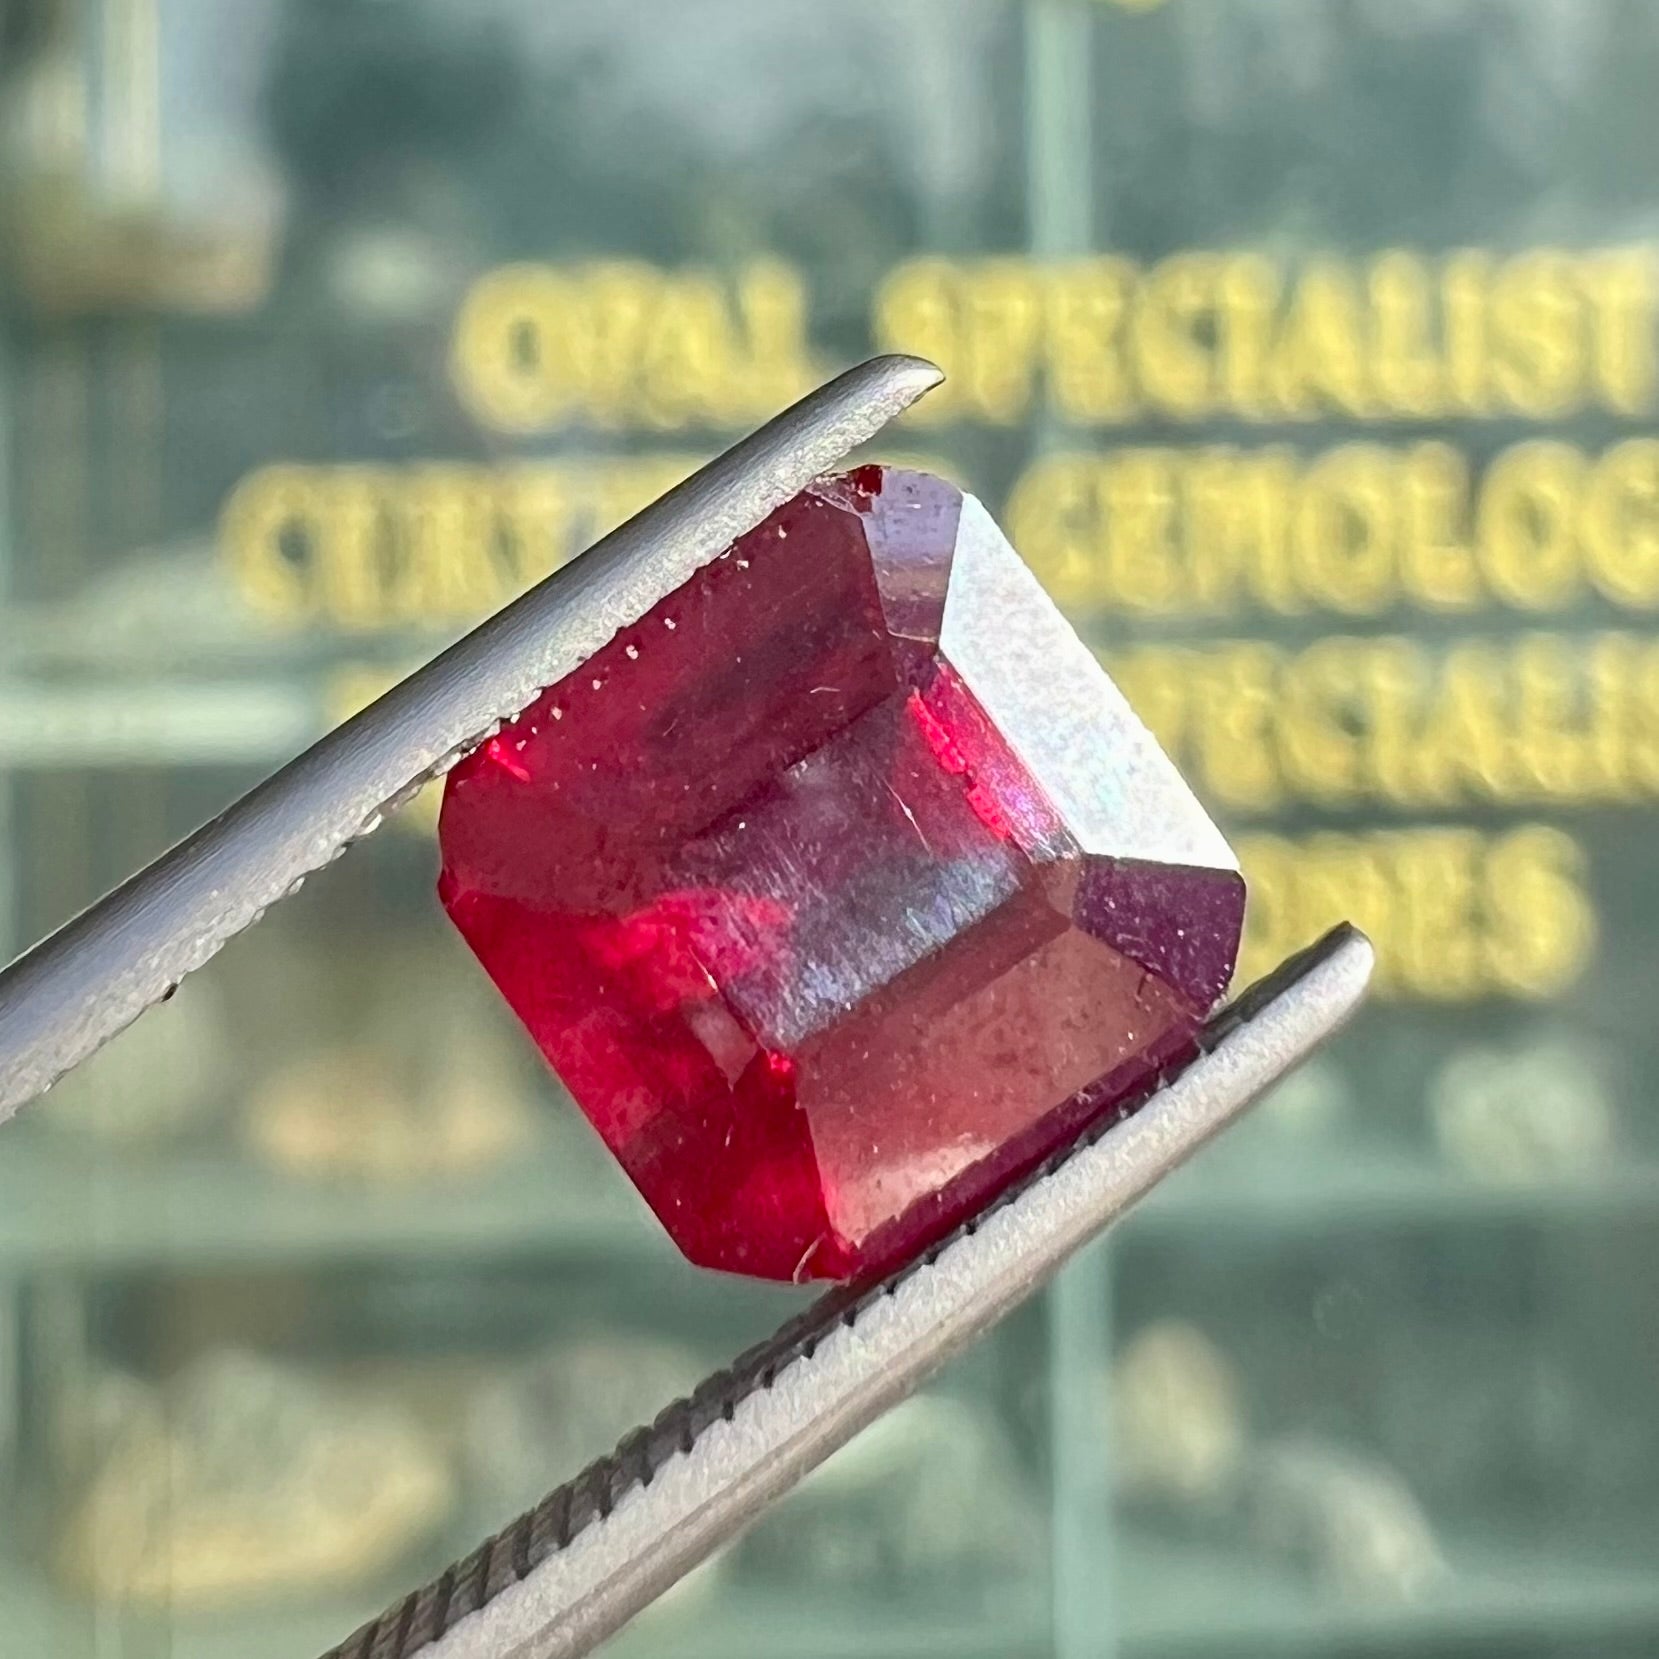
{"x":593,"y":1553}
{"x":93,"y":977}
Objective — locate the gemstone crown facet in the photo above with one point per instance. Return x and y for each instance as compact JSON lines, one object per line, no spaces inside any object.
{"x":843,"y":886}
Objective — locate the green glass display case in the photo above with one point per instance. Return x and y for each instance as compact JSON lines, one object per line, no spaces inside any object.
{"x":1306,"y":348}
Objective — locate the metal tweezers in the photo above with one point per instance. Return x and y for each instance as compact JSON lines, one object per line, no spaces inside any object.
{"x":598,"y":1549}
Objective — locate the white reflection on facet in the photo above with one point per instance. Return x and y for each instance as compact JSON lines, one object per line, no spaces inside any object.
{"x":1117,"y":791}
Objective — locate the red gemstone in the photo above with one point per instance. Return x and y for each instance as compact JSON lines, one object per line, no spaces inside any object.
{"x":843,"y":886}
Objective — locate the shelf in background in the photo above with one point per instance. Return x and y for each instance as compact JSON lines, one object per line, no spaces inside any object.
{"x":743,"y":1622}
{"x":43,"y":1620}
{"x":65,"y":1202}
{"x":737,"y":1625}
{"x":1345,"y":1187}
{"x":154,"y":723}
{"x":1176,"y":1599}
{"x":1179,"y":1598}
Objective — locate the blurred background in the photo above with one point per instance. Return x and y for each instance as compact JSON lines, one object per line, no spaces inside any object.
{"x":1305,"y":347}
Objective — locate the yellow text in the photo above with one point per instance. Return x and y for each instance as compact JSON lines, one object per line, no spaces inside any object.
{"x":365,"y":547}
{"x":1201,"y":334}
{"x":1455,"y":915}
{"x":1532,"y":720}
{"x":1357,"y":531}
{"x":626,"y":346}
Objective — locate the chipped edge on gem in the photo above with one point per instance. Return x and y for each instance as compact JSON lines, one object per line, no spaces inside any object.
{"x":511,"y":1555}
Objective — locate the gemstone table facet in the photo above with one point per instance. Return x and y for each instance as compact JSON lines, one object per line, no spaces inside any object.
{"x":842,"y":887}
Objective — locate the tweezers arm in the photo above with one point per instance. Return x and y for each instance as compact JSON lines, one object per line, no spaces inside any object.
{"x":94,"y":976}
{"x":596,"y":1551}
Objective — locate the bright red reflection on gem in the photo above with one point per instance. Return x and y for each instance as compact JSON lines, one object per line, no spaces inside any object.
{"x":800,"y":924}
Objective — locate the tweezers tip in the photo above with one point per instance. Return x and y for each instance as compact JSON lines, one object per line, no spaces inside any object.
{"x":1348,"y":959}
{"x":1354,"y":944}
{"x":906,"y":378}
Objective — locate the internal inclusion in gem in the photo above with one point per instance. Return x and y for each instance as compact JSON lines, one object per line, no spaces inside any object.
{"x":843,"y":886}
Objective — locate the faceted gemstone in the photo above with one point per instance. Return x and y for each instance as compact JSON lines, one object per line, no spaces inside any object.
{"x":843,"y":886}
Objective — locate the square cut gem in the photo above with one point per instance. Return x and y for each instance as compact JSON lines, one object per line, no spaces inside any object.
{"x":843,"y":887}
